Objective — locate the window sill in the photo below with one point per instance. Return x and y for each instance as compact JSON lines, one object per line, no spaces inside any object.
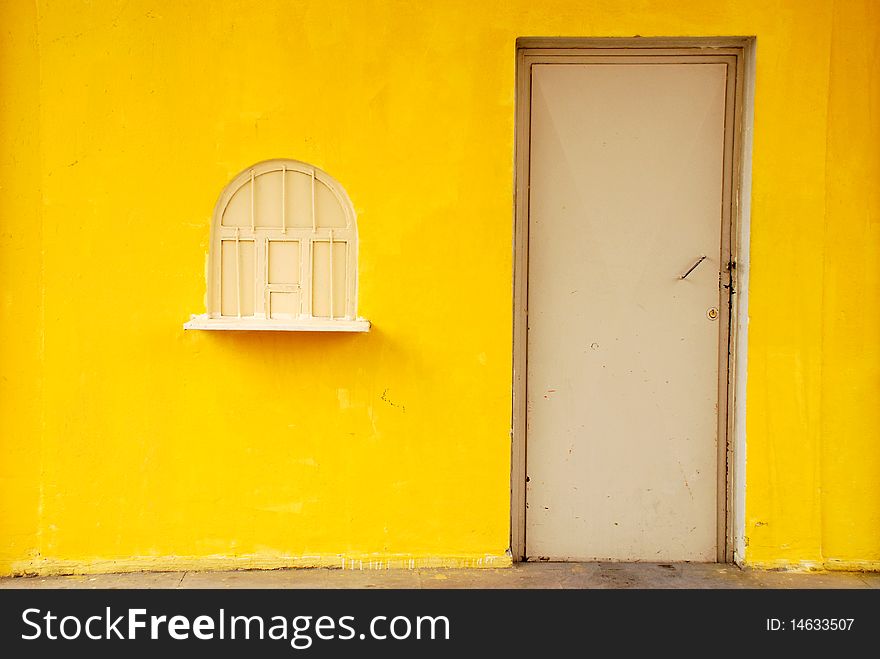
{"x":203,"y":322}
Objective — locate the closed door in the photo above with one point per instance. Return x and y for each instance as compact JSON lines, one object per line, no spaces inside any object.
{"x":628,"y":209}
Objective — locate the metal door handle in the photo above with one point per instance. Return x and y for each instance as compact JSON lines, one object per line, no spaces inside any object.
{"x":693,"y":267}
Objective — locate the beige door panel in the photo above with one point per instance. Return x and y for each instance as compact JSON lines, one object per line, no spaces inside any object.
{"x":627,"y":166}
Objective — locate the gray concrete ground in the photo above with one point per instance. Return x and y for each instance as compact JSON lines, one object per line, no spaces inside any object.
{"x":523,"y":575}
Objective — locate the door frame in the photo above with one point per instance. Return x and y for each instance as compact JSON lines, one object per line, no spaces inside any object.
{"x":735,"y":242}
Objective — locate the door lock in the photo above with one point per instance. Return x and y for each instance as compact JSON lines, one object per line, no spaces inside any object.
{"x":712,"y":313}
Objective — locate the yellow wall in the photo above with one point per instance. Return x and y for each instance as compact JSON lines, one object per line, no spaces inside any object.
{"x":127,"y":443}
{"x":813,"y":470}
{"x":21,"y":290}
{"x":850,"y":457}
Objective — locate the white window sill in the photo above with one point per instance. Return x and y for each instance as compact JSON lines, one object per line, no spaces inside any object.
{"x":203,"y":322}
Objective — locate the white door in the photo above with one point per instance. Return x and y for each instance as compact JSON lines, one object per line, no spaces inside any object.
{"x":625,"y":320}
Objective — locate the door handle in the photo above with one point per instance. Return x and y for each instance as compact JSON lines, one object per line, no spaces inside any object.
{"x":693,"y":267}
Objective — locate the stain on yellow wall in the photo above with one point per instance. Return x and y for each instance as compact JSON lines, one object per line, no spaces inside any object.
{"x":128,"y":443}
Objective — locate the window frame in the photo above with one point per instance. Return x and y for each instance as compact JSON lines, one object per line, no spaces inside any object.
{"x":306,"y":237}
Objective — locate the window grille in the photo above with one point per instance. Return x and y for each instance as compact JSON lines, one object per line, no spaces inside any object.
{"x":283,"y":253}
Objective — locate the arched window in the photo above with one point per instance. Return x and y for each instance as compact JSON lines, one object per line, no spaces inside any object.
{"x":284,"y":253}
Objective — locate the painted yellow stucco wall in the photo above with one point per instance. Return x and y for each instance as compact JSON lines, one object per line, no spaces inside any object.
{"x":127,"y":443}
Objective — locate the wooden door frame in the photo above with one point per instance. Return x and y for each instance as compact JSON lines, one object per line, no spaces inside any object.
{"x":738,"y":51}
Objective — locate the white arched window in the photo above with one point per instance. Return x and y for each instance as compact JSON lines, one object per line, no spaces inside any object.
{"x":284,"y":253}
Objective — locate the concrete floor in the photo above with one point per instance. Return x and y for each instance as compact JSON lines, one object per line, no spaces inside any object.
{"x":522,"y":575}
